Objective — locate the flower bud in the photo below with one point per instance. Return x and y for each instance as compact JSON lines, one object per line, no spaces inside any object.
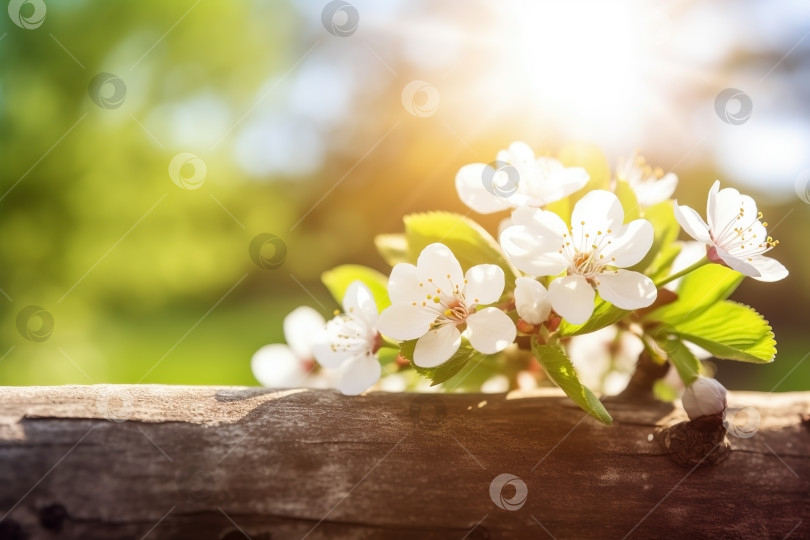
{"x":704,"y":397}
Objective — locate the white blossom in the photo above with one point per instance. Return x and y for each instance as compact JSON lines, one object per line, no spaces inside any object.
{"x":435,"y":303}
{"x":593,"y":254}
{"x":286,"y":366}
{"x":650,"y":185}
{"x":735,"y":235}
{"x":518,"y":179}
{"x":352,"y":341}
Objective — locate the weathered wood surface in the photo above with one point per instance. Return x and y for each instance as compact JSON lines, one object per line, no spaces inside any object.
{"x":203,"y":462}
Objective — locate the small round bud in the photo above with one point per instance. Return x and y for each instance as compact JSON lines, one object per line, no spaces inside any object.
{"x":525,"y":327}
{"x":704,"y":397}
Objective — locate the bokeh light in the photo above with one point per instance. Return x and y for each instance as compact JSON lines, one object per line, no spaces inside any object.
{"x":307,"y":133}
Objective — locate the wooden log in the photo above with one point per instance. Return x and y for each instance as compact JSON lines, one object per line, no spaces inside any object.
{"x":155,"y":461}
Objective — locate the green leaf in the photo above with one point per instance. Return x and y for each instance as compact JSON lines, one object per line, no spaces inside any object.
{"x":445,"y":371}
{"x":662,"y":261}
{"x":604,"y":314}
{"x":697,"y":292}
{"x":469,"y":242}
{"x":657,"y":262}
{"x":562,"y":372}
{"x":627,"y":197}
{"x":338,"y":279}
{"x":679,"y":355}
{"x":732,"y":331}
{"x":393,"y":248}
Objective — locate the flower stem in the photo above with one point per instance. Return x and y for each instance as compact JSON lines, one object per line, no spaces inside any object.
{"x":702,"y":262}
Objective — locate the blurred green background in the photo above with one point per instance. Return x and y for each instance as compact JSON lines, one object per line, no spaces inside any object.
{"x":297,"y":115}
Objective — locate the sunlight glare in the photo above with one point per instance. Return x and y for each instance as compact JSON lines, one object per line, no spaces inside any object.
{"x":586,"y":61}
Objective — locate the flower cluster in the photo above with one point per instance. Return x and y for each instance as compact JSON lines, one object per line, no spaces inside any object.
{"x":584,"y":282}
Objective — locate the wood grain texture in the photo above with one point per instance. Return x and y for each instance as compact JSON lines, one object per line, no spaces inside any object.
{"x":203,"y":462}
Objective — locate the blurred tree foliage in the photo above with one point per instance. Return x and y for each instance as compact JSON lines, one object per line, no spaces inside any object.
{"x":148,"y":282}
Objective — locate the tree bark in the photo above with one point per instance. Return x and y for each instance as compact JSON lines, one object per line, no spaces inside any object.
{"x":154,"y":461}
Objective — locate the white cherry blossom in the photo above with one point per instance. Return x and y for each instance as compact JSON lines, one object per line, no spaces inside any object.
{"x":735,"y":235}
{"x":435,"y":303}
{"x":352,"y":341}
{"x":593,"y":254}
{"x":518,"y":179}
{"x":650,"y":185}
{"x":286,"y":366}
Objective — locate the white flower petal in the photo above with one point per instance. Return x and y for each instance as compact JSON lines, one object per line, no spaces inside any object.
{"x":735,"y":263}
{"x":725,"y":205}
{"x":521,"y":157}
{"x":437,"y":346}
{"x":525,"y":215}
{"x":504,"y":223}
{"x":438,"y":263}
{"x":562,"y":182}
{"x":490,"y":330}
{"x":359,"y":302}
{"x":541,"y":222}
{"x":485,"y":284}
{"x":653,"y":192}
{"x":626,"y":289}
{"x":572,"y":297}
{"x":360,"y":374}
{"x":303,"y":327}
{"x":692,"y":223}
{"x":769,"y":269}
{"x":405,"y":321}
{"x":277,"y":366}
{"x":630,"y":243}
{"x":520,"y":154}
{"x":535,"y":255}
{"x":531,"y":300}
{"x":346,"y":336}
{"x":403,"y":284}
{"x":471,"y":190}
{"x":599,"y":210}
{"x":711,"y":202}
